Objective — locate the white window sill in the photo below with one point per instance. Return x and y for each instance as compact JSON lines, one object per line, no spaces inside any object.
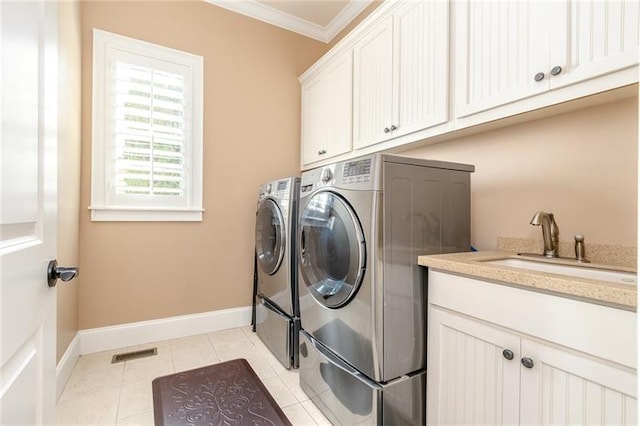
{"x":118,"y":214}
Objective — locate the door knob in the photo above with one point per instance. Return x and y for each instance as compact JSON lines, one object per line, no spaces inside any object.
{"x":65,"y":274}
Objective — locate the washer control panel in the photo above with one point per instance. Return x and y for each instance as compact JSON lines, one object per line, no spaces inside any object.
{"x":358,"y":175}
{"x":279,"y":189}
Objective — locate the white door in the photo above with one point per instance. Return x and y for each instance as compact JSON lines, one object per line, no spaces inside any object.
{"x":592,"y":38}
{"x":473,"y":374}
{"x":314,"y":121}
{"x":421,"y":73}
{"x":28,"y":112}
{"x":502,"y":53}
{"x":339,"y":79}
{"x":372,"y":85}
{"x":560,"y":386}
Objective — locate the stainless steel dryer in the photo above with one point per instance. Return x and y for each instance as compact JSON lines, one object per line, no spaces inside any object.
{"x":277,"y":310}
{"x":363,"y":300}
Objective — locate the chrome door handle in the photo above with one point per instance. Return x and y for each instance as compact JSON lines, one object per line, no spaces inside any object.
{"x":64,"y":273}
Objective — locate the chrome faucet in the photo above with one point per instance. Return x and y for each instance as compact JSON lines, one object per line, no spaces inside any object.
{"x":550,"y":232}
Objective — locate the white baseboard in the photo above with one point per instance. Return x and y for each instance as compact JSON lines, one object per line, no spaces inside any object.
{"x":138,"y":333}
{"x":66,"y":364}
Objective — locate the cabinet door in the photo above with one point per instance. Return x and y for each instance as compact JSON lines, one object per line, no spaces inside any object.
{"x":327,"y":111}
{"x":567,"y":387}
{"x":421,"y":66}
{"x":372,"y":98}
{"x":314,"y":120}
{"x":500,"y":47}
{"x":339,"y":92}
{"x":469,"y":380}
{"x":592,"y":38}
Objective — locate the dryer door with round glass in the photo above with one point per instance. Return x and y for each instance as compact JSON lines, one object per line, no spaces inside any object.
{"x":270,"y":236}
{"x":332,"y":249}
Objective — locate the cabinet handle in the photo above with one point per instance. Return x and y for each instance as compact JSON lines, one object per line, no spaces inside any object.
{"x":527,"y":362}
{"x":387,"y":130}
{"x":322,"y":151}
{"x":507,"y":354}
{"x":556,"y":70}
{"x":393,"y":127}
{"x":539,"y":76}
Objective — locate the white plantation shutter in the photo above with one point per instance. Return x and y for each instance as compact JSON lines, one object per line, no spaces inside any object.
{"x":151,"y":137}
{"x":149,"y":131}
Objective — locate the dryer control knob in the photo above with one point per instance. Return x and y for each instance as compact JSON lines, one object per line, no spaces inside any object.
{"x":326,"y":175}
{"x":269,"y":189}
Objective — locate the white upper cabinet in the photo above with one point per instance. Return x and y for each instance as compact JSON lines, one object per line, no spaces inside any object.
{"x":327,"y":111}
{"x":510,"y":51}
{"x":389,"y":83}
{"x":421,"y":83}
{"x":592,"y":38}
{"x":373,"y":72}
{"x":401,"y":73}
{"x":499,"y":48}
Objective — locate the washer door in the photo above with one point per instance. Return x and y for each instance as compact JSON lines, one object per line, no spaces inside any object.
{"x":270,"y":238}
{"x":332,"y":249}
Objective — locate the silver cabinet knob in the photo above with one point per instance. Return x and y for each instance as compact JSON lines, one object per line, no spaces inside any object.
{"x":393,"y":127}
{"x":322,"y":152}
{"x":508,"y":354}
{"x":387,"y":130}
{"x":527,"y":362}
{"x":556,"y":70}
{"x":539,"y":76}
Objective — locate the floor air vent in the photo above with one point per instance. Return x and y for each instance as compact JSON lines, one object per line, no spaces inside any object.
{"x":128,"y":356}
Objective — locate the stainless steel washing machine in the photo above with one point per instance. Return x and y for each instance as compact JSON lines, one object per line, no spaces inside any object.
{"x":363,"y":298}
{"x":277,"y":309}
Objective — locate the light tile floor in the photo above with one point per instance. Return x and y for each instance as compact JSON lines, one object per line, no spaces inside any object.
{"x":101,"y":393}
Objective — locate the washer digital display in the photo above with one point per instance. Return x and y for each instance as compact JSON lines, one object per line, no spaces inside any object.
{"x":357,"y":168}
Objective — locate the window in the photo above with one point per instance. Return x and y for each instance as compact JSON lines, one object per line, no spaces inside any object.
{"x":147,"y":131}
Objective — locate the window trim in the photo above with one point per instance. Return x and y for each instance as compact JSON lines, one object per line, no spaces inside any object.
{"x":104,"y":45}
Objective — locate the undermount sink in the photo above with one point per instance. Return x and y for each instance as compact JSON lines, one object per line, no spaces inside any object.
{"x":620,"y":277}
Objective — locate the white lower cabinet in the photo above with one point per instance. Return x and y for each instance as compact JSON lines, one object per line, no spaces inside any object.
{"x":479,"y":372}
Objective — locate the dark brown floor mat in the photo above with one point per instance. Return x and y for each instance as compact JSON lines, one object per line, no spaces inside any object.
{"x":228,"y":393}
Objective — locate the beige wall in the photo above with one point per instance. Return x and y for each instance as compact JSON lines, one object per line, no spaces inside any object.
{"x":582,"y":166}
{"x":142,"y":271}
{"x":68,"y":168}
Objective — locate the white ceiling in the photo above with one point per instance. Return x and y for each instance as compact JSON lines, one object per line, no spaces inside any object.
{"x":318,"y":19}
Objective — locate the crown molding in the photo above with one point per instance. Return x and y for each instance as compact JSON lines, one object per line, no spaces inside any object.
{"x":264,"y":13}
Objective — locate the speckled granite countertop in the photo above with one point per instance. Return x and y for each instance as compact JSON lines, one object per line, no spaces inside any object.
{"x":474,"y":264}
